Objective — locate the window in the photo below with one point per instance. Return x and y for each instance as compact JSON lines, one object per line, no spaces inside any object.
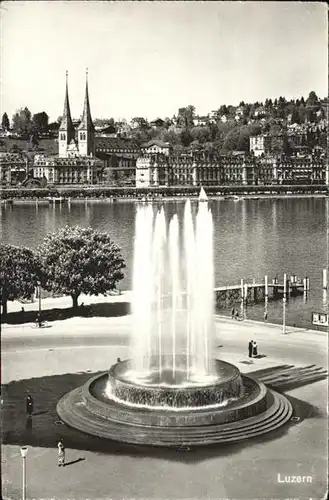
{"x":63,"y":137}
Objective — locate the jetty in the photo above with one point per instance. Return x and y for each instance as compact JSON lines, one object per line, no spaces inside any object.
{"x":252,"y":293}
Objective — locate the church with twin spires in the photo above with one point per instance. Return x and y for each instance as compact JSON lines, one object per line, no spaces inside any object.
{"x":76,"y":142}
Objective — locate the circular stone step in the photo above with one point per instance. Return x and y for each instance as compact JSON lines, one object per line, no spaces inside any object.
{"x":261,"y":411}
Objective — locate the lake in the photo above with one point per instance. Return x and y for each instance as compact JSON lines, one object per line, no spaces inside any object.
{"x":251,"y":238}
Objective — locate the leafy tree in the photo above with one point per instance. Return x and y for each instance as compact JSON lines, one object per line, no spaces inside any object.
{"x":310,"y":115}
{"x":18,"y":273}
{"x":286,"y":146}
{"x":141,"y":122}
{"x":22,"y":124}
{"x":238,"y":138}
{"x":34,"y":140}
{"x":186,"y":138}
{"x":312,"y":99}
{"x":40,"y":123}
{"x":201,"y":134}
{"x":247,"y":110}
{"x":295,"y":118}
{"x":53,"y":127}
{"x":223,"y":110}
{"x":5,"y":122}
{"x":77,"y":260}
{"x":185,"y":116}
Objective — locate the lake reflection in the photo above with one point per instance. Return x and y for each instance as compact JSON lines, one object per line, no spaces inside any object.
{"x":251,"y":238}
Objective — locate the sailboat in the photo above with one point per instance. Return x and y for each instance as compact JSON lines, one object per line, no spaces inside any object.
{"x":203,"y":196}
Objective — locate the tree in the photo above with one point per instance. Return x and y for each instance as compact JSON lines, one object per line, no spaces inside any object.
{"x":22,"y":122}
{"x":77,"y":260}
{"x":286,"y":146}
{"x":5,"y":122}
{"x":223,"y":110}
{"x":18,"y":273}
{"x":186,"y":138}
{"x":312,"y":99}
{"x":295,"y":118}
{"x":141,"y":122}
{"x":40,"y":123}
{"x":185,"y":116}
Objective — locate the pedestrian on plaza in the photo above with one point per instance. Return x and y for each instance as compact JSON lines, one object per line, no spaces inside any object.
{"x":61,"y":453}
{"x":29,"y":405}
{"x":233,"y":313}
{"x":250,"y":348}
{"x":39,"y":321}
{"x":254,"y":349}
{"x":265,"y":316}
{"x":237,"y":315}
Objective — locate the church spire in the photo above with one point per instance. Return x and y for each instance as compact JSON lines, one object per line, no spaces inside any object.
{"x":66,"y":123}
{"x":86,"y":120}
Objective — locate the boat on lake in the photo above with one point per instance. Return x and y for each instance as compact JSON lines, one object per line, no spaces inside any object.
{"x":203,"y":195}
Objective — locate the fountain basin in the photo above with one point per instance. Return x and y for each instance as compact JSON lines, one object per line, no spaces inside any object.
{"x":170,"y":389}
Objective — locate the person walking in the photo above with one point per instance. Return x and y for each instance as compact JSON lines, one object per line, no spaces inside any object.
{"x":254,"y":349}
{"x":61,"y":453}
{"x":233,"y":313}
{"x":265,"y":316}
{"x":250,"y":349}
{"x":38,"y":320}
{"x":29,"y":405}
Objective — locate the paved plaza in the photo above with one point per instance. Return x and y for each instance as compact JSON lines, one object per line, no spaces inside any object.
{"x":293,"y":363}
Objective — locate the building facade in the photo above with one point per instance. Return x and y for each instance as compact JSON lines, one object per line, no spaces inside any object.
{"x":194,"y":170}
{"x":14,"y":168}
{"x":70,"y":170}
{"x":260,"y":144}
{"x":155,"y":146}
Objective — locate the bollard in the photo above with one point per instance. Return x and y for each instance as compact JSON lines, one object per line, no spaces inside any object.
{"x":305,"y":284}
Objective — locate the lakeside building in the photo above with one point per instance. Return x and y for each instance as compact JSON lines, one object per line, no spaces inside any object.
{"x":119,"y":157}
{"x":194,"y":170}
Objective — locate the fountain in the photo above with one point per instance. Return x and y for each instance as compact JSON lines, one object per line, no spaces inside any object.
{"x":171,"y":390}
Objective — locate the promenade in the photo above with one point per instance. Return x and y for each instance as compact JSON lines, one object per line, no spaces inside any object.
{"x":36,"y":360}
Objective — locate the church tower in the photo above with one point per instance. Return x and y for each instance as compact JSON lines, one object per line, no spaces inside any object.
{"x":86,"y":130}
{"x":66,"y":130}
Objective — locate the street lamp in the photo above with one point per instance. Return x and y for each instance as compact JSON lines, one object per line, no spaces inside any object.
{"x":24,"y":450}
{"x":39,"y":293}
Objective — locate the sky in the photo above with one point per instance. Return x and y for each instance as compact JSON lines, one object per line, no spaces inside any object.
{"x":151,"y":58}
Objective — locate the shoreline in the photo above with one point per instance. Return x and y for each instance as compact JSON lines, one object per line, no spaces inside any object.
{"x":162,"y":199}
{"x":65,"y":302}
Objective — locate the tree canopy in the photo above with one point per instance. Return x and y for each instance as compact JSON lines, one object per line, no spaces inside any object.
{"x":22,"y":123}
{"x":77,"y":260}
{"x":5,"y":124}
{"x":40,"y":123}
{"x":18,"y":273}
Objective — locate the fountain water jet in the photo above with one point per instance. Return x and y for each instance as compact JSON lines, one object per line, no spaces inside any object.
{"x":172,"y":305}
